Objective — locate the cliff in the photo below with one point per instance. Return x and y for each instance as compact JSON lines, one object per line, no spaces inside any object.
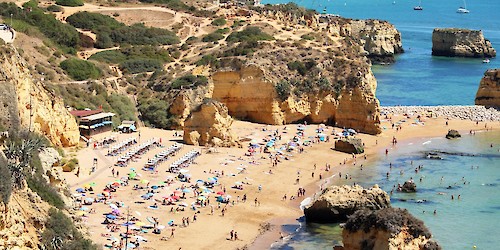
{"x":336,"y":203}
{"x":388,"y":228}
{"x":28,"y":97}
{"x":461,"y":43}
{"x":380,"y":40}
{"x":209,"y":125}
{"x":488,"y":93}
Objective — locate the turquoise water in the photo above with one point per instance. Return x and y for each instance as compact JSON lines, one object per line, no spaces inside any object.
{"x":417,"y":78}
{"x":459,"y":223}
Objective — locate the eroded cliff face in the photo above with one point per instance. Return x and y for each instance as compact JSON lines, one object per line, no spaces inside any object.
{"x":49,"y":117}
{"x":461,"y":43}
{"x":383,"y":240}
{"x":488,"y":93}
{"x":21,"y":220}
{"x":380,"y":39}
{"x":250,"y":94}
{"x":210,"y":124}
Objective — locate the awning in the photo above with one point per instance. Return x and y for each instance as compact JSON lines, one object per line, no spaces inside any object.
{"x":97,"y":116}
{"x":107,"y":122}
{"x":84,"y":126}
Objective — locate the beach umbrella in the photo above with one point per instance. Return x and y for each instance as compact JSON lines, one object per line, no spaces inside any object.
{"x":237,"y":183}
{"x":150,"y":219}
{"x":84,"y":208}
{"x":132,"y":175}
{"x":80,"y":213}
{"x":130,"y":245}
{"x":115,"y":184}
{"x":143,"y":181}
{"x":92,"y":184}
{"x":202,"y":198}
{"x":220,"y":193}
{"x":160,"y":227}
{"x":86,"y":186}
{"x":111,"y":217}
{"x":171,"y":222}
{"x":137,"y":212}
{"x":352,"y":131}
{"x":89,"y":199}
{"x":140,"y":223}
{"x":200,"y":181}
{"x":113,"y":206}
{"x":186,"y":190}
{"x":183,"y":170}
{"x":80,"y":190}
{"x":140,"y":238}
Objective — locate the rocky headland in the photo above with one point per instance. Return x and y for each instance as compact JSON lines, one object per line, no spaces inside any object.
{"x":388,"y":228}
{"x":488,"y":93}
{"x":337,"y":203}
{"x":456,"y":42}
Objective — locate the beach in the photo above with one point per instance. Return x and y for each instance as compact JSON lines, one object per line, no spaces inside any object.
{"x":264,"y":185}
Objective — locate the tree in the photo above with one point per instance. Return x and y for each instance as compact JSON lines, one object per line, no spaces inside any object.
{"x":6,"y":183}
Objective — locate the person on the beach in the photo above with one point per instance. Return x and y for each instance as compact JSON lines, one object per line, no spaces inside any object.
{"x":231,"y":234}
{"x":172,"y":234}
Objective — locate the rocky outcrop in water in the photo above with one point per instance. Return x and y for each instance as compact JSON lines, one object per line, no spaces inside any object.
{"x":488,"y":93}
{"x":336,"y":203}
{"x":388,"y":228}
{"x":209,"y":125}
{"x":28,"y":101}
{"x":350,"y":145}
{"x":461,"y":43}
{"x":408,"y":187}
{"x":452,"y":134}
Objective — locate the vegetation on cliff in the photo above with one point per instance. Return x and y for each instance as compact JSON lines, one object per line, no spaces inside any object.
{"x":80,"y":69}
{"x":60,"y":233}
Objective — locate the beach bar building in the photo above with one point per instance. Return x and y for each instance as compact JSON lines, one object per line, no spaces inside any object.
{"x":93,"y":122}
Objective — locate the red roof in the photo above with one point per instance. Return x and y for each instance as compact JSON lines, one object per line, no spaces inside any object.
{"x":83,"y":113}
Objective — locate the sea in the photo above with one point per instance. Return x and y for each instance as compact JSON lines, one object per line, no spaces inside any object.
{"x":470,"y":166}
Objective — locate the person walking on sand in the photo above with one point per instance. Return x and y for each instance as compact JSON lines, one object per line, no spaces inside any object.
{"x":235,"y":235}
{"x":172,"y":234}
{"x":231,"y":234}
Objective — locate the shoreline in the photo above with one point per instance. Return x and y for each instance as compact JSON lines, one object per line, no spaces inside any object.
{"x":246,"y":218}
{"x":267,"y":240}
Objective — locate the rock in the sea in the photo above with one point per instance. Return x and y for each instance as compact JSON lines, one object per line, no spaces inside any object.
{"x":488,"y":93}
{"x":452,"y":134}
{"x":210,"y":124}
{"x":350,"y":145}
{"x":336,"y":203}
{"x":388,"y":228}
{"x":408,"y":187}
{"x":461,"y":43}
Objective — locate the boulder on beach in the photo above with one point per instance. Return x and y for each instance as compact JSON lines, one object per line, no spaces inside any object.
{"x":336,"y":203}
{"x":350,"y":145}
{"x":388,"y":228}
{"x":408,"y":187}
{"x":452,"y":134}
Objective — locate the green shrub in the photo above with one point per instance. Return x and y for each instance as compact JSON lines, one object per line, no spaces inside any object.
{"x":70,"y":3}
{"x":60,"y":233}
{"x":154,"y":112}
{"x":190,"y":81}
{"x":191,"y":40}
{"x":40,"y":186}
{"x":140,"y":65}
{"x":302,"y":68}
{"x":138,"y":34}
{"x":207,"y":60}
{"x":109,"y":56}
{"x":249,"y":34}
{"x":55,"y":8}
{"x":80,"y":69}
{"x":6,"y":183}
{"x":213,"y":37}
{"x":93,"y":21}
{"x":103,"y":41}
{"x":283,"y":89}
{"x":219,"y":22}
{"x":307,"y":37}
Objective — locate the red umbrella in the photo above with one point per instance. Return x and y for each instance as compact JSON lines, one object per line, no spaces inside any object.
{"x":220,"y":193}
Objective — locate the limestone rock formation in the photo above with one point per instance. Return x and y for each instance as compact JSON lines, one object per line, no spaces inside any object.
{"x":336,"y":203}
{"x":461,"y":43}
{"x":488,"y":93}
{"x":388,"y":228}
{"x":21,"y":220}
{"x":350,"y":145}
{"x":380,"y":39}
{"x":409,"y":187}
{"x":33,"y":103}
{"x":452,"y":134}
{"x":209,"y":125}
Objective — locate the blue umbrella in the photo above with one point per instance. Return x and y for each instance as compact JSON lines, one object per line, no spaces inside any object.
{"x":80,"y":190}
{"x":186,"y":190}
{"x":111,"y":217}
